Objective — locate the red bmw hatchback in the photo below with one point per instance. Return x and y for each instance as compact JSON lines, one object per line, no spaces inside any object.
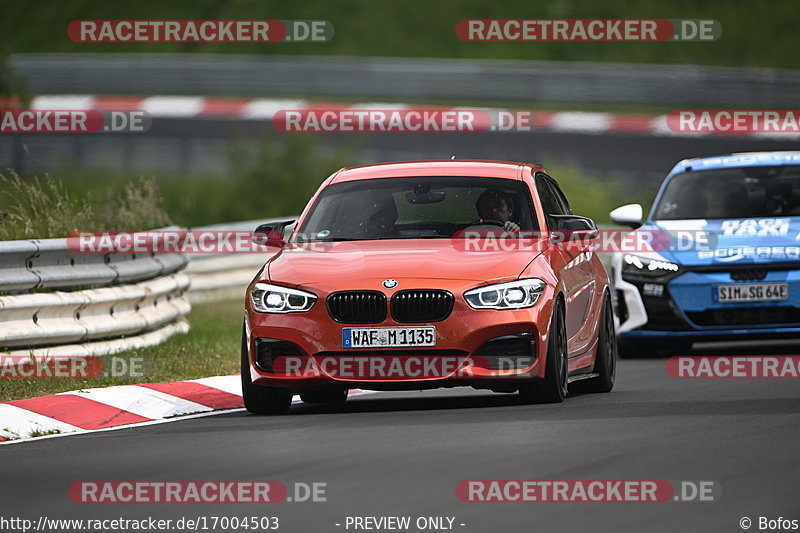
{"x":417,"y":275}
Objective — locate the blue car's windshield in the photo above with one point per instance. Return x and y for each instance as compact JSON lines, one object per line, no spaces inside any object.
{"x":746,"y":192}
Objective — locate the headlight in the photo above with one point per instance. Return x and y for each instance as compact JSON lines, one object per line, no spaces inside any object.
{"x":511,"y":295}
{"x":648,"y":268}
{"x":267,"y":298}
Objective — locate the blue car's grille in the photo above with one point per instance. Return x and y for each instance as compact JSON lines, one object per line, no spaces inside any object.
{"x":750,"y":274}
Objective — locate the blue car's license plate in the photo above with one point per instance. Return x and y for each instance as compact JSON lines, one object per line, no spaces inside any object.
{"x":751,"y":292}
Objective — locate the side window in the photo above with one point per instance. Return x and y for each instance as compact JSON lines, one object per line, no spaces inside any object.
{"x":550,"y":201}
{"x":560,"y":195}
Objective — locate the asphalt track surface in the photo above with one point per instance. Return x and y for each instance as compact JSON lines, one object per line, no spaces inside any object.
{"x":402,"y":454}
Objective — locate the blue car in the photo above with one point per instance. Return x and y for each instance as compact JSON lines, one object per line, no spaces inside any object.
{"x":724,"y":263}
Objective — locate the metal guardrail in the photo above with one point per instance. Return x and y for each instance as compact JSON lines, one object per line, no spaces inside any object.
{"x":58,"y":318}
{"x":418,"y":78}
{"x":224,"y":276}
{"x":27,"y":265}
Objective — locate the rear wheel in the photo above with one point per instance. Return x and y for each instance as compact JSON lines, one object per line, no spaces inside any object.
{"x":257,"y":398}
{"x":605,"y":363}
{"x":553,"y":388}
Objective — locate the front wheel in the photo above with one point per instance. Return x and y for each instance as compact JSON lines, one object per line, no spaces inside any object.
{"x":553,"y":388}
{"x":257,"y":398}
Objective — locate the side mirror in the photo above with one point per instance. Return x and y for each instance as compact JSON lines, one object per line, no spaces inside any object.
{"x":575,"y":228}
{"x":628,"y":215}
{"x":271,"y":234}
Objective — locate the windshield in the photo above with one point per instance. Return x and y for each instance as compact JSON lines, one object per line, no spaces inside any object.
{"x":417,"y":208}
{"x":747,"y":192}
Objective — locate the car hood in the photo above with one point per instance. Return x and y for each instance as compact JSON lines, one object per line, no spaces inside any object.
{"x":735,"y":241}
{"x":341,"y":265}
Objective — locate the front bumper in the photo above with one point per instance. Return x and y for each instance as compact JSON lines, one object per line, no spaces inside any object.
{"x":469,"y":341}
{"x":685,"y":307}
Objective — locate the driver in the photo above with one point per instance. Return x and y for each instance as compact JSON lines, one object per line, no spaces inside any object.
{"x":723,"y":197}
{"x":497,"y":205}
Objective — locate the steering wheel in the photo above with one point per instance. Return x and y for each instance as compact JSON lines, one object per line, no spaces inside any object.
{"x":488,"y":222}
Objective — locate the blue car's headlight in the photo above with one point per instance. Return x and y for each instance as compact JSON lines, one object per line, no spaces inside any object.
{"x":510,"y":295}
{"x":268,"y":298}
{"x":641,"y":267}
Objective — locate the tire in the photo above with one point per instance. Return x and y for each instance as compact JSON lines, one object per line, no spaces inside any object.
{"x":553,"y":387}
{"x":605,"y":363}
{"x":326,"y":395}
{"x":257,"y":398}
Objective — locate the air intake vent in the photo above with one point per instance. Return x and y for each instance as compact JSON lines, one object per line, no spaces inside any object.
{"x":421,"y":305}
{"x":357,"y":307}
{"x":754,"y":274}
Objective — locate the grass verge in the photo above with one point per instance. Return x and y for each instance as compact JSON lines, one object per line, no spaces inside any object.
{"x":43,"y":208}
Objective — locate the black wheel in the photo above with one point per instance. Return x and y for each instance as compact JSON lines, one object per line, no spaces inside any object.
{"x":257,"y":398}
{"x":553,"y":387}
{"x":326,"y":395}
{"x":605,"y":364}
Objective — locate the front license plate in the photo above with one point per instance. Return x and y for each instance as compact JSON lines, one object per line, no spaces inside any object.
{"x":751,"y":292}
{"x":388,"y":337}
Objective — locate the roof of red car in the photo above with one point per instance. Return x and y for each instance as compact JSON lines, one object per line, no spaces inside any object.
{"x":448,"y":167}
